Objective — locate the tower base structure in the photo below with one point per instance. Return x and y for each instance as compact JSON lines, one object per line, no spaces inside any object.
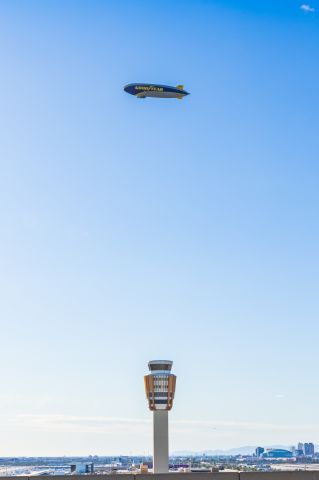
{"x":160,"y":429}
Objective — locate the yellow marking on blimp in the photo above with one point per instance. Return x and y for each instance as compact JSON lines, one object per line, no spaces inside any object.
{"x":180,"y":87}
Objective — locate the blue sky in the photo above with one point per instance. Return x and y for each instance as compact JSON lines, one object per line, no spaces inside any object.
{"x":134,"y":230}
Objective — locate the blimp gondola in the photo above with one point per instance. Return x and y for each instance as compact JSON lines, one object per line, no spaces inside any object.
{"x":143,"y":90}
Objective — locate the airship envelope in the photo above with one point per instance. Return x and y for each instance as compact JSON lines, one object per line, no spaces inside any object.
{"x":142,"y":90}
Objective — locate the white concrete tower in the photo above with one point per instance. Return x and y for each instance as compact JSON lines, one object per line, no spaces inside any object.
{"x":160,"y":390}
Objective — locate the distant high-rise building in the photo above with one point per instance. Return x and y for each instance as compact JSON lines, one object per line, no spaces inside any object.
{"x":300,"y":446}
{"x":160,"y":391}
{"x":309,"y":449}
{"x":259,"y":451}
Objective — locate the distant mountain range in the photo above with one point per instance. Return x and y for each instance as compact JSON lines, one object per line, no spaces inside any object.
{"x":232,"y":451}
{"x":247,"y":450}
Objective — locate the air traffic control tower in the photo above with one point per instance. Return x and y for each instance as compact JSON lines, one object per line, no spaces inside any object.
{"x":160,"y":390}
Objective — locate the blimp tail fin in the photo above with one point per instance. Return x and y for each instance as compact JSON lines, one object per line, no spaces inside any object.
{"x":180,"y":87}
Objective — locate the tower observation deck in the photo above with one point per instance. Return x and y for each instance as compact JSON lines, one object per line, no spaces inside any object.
{"x":160,"y":391}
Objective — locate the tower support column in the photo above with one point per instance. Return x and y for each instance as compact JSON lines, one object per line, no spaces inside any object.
{"x":160,"y":429}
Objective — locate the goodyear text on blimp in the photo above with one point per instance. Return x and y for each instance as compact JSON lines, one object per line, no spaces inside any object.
{"x":149,"y":88}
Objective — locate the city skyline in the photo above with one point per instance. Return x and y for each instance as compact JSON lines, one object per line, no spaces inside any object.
{"x":136,"y":229}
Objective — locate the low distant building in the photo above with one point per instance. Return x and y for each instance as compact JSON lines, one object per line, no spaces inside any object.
{"x":144,"y":468}
{"x":81,"y":468}
{"x":179,"y":466}
{"x":277,"y":453}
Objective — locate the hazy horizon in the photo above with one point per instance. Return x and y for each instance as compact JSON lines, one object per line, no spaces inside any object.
{"x":243,"y":450}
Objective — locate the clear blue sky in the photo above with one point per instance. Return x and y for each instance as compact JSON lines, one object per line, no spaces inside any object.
{"x":139,"y":229}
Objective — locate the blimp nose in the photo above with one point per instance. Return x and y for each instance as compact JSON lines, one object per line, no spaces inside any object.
{"x":129,"y":89}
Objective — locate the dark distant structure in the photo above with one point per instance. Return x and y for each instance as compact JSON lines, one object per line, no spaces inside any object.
{"x":309,"y":449}
{"x":259,"y":451}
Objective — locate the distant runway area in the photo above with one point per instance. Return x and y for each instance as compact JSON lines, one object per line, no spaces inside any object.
{"x":297,"y":475}
{"x":288,"y":467}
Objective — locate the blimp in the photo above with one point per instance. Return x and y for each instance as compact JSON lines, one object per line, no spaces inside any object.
{"x":143,"y":90}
